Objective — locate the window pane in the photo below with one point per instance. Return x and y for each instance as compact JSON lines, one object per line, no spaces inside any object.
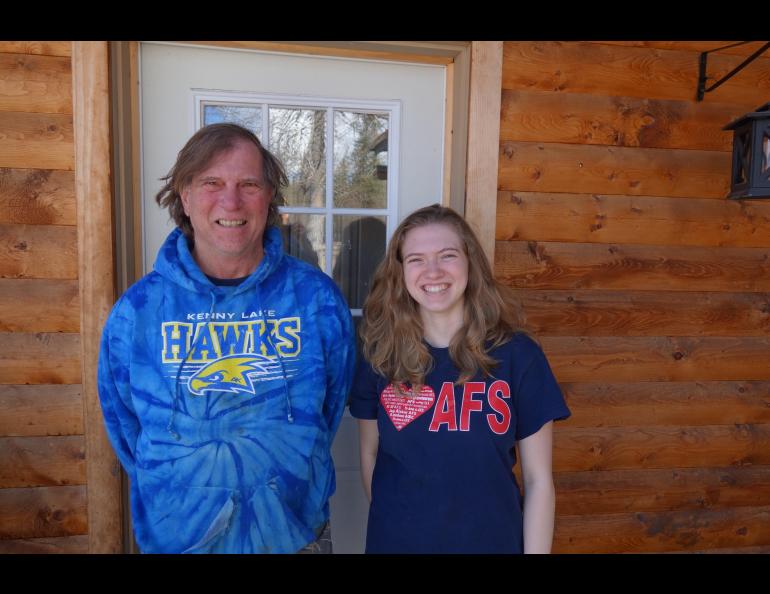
{"x":248,"y":116}
{"x":359,"y":246}
{"x":298,"y":139}
{"x":304,"y":237}
{"x":360,"y":160}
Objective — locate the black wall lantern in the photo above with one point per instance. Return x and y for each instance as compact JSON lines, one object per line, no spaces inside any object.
{"x":751,"y":154}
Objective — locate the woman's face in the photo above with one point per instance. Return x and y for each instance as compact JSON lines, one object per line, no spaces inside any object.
{"x":435,"y":269}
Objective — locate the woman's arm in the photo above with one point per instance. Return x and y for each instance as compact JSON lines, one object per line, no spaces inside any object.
{"x":368,"y":442}
{"x":539,"y":493}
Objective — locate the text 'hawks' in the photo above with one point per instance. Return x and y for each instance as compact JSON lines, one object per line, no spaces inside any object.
{"x":213,"y":340}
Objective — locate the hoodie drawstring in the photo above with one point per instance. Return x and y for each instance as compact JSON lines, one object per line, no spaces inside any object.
{"x":170,"y":426}
{"x":289,"y":416}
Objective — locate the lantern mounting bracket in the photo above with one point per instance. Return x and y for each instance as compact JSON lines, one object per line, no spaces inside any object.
{"x":702,"y":78}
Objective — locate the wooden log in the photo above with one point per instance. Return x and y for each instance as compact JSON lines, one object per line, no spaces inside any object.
{"x":38,"y":251}
{"x":602,"y":404}
{"x":542,"y":167}
{"x":40,"y":410}
{"x":598,"y":69}
{"x":645,"y":313}
{"x":35,"y":84}
{"x":91,"y":101}
{"x":625,"y":448}
{"x":694,"y":46}
{"x":37,"y":197}
{"x":664,"y":531}
{"x":655,"y":490}
{"x":42,"y":461}
{"x":40,"y":48}
{"x":36,"y":140}
{"x":40,"y":358}
{"x":36,"y":546}
{"x":555,"y":265}
{"x":657,"y":359}
{"x":483,"y":129}
{"x":39,"y":305}
{"x":43,"y":512}
{"x":575,"y":118}
{"x":641,"y":220}
{"x":759,"y":550}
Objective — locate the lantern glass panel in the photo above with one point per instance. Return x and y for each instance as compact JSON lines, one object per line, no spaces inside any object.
{"x":743,"y":161}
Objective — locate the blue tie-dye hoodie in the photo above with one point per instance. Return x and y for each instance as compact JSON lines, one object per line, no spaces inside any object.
{"x":222,"y":402}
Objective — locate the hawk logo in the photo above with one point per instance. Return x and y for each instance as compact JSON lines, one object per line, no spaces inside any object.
{"x":230,"y":374}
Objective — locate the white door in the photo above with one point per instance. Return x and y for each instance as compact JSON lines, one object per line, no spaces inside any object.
{"x":395,"y":111}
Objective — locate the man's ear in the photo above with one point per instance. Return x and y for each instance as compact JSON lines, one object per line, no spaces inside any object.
{"x":185,"y":196}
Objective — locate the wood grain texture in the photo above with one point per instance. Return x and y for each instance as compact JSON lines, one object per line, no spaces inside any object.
{"x":72,"y":545}
{"x":42,"y":461}
{"x":576,"y":118}
{"x":640,"y":532}
{"x":607,"y":404}
{"x":657,"y":359}
{"x":644,"y":72}
{"x":35,"y":84}
{"x":619,"y":448}
{"x":694,"y":46}
{"x":758,"y":550}
{"x":43,"y":358}
{"x":644,"y":220}
{"x":36,"y":140}
{"x":542,"y":167}
{"x":40,"y":410}
{"x":483,"y":132}
{"x":39,"y":305}
{"x":43,"y":512}
{"x":96,"y":274}
{"x":556,"y":265}
{"x":40,"y":48}
{"x":37,"y":197}
{"x":38,"y":251}
{"x":645,"y":313}
{"x":656,"y":490}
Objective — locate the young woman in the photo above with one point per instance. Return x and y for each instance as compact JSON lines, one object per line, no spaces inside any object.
{"x":449,"y":387}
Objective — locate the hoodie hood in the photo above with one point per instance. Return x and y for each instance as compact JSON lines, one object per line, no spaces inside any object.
{"x":175,"y":262}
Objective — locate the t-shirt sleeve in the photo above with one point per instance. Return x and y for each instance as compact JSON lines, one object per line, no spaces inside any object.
{"x":364,"y":396}
{"x":538,"y":397}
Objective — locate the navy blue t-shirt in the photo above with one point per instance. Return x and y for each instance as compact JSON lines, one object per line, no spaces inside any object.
{"x":443,"y":480}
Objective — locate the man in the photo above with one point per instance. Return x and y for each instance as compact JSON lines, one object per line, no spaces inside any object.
{"x":224,"y":372}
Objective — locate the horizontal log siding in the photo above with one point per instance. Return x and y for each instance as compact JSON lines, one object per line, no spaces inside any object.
{"x":43,"y":495}
{"x":648,"y":290}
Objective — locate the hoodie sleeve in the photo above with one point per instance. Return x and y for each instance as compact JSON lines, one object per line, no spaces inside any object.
{"x":114,"y":387}
{"x":340,"y":355}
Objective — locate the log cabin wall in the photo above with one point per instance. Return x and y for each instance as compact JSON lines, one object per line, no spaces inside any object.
{"x":649,"y":290}
{"x":42,"y":444}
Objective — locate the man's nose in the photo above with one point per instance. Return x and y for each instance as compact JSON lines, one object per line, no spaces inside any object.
{"x":230,"y":197}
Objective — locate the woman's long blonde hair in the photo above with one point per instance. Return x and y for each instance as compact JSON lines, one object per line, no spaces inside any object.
{"x":392,"y":330}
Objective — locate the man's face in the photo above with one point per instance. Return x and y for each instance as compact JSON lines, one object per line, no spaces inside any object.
{"x":228,"y":206}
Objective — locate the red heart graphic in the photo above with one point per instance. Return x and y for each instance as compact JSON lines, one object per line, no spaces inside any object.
{"x":402,"y":410}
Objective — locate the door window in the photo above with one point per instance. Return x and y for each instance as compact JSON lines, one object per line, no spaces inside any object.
{"x":341,"y":158}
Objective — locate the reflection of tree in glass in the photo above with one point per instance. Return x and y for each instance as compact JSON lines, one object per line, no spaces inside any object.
{"x":358,"y":140}
{"x":298,"y":139}
{"x":249,"y":117}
